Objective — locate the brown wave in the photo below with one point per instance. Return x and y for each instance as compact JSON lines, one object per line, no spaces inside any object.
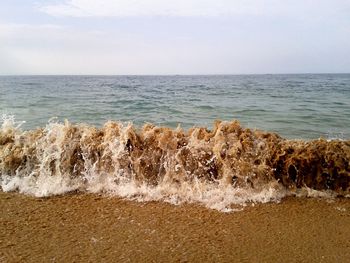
{"x":228,"y":154}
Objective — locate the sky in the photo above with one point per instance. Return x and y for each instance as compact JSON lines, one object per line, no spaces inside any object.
{"x":151,"y":37}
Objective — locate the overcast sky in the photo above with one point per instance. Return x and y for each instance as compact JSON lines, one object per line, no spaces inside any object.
{"x":174,"y":37}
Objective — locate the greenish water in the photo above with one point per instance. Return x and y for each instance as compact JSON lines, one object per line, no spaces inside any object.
{"x":295,"y":106}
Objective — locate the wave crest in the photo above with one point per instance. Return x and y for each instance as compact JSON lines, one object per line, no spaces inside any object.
{"x":225,"y":166}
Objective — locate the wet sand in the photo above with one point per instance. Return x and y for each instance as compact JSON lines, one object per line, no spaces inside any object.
{"x":92,"y":228}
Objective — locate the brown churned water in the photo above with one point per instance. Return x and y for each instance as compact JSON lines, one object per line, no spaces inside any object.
{"x":222,"y":168}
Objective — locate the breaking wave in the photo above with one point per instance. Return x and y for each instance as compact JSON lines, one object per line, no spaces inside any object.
{"x":224,"y":168}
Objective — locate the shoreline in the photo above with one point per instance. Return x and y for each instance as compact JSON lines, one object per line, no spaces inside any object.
{"x":89,"y":228}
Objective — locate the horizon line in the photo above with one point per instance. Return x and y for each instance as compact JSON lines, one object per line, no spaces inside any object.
{"x":200,"y":74}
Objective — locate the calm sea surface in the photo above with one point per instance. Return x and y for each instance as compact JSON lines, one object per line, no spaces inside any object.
{"x":295,"y":106}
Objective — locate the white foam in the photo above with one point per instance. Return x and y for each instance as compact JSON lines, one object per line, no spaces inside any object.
{"x":212,"y":196}
{"x":312,"y":193}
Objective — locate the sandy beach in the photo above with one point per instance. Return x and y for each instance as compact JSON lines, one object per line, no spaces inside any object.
{"x":93,"y":228}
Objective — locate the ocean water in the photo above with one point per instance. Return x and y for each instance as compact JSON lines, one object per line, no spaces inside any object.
{"x":122,"y":137}
{"x":295,"y":106}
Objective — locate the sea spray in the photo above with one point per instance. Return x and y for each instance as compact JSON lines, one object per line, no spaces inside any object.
{"x":221,"y":168}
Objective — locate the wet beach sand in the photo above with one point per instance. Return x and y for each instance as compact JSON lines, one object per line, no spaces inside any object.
{"x":94,"y":228}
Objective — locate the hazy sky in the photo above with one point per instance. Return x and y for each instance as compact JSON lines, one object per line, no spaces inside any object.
{"x":174,"y":37}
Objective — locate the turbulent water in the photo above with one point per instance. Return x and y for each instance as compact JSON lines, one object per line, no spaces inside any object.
{"x":220,"y":166}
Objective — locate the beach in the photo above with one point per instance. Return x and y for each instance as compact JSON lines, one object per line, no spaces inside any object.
{"x":96,"y":228}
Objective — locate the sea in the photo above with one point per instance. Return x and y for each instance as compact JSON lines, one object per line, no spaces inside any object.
{"x":222,"y":141}
{"x":307,"y":106}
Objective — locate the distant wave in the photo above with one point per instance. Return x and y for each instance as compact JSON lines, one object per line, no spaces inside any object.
{"x":221,"y":168}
